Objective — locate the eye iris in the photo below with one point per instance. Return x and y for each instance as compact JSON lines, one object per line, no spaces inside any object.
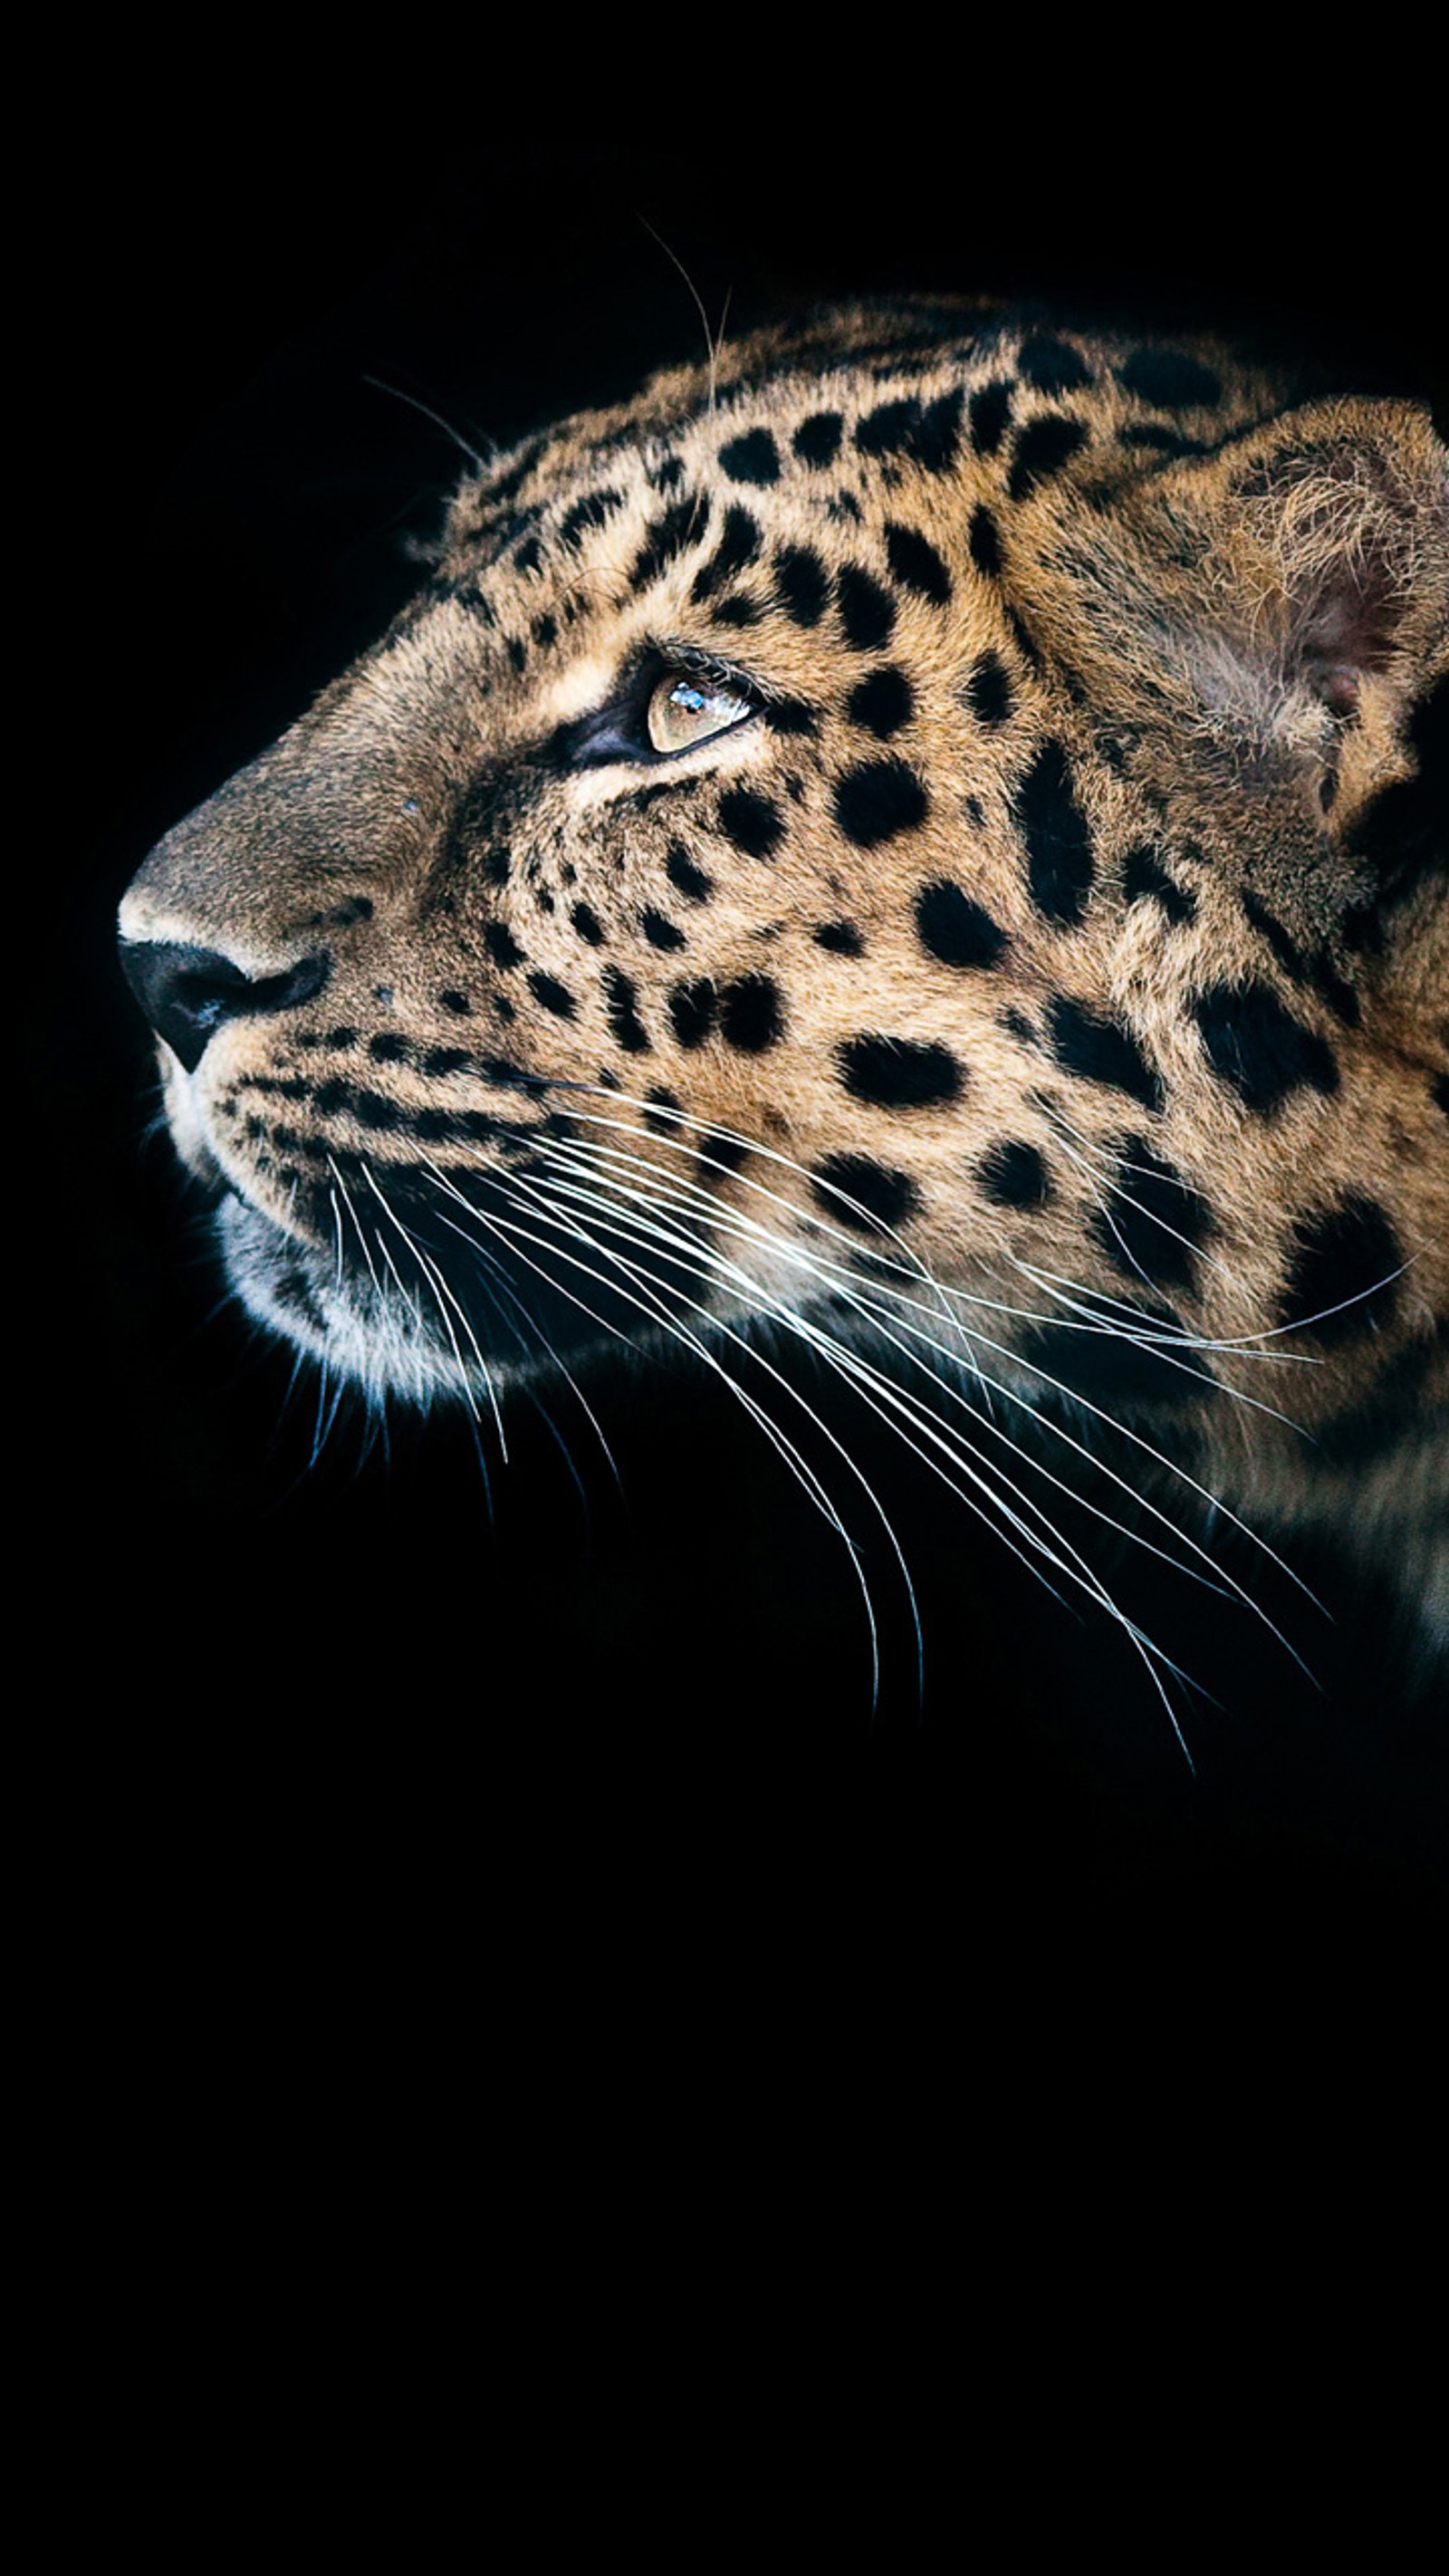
{"x":684,"y":711}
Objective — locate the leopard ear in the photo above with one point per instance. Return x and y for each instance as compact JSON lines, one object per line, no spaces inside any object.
{"x":1289,"y":595}
{"x":1310,"y":604}
{"x":1327,"y":548}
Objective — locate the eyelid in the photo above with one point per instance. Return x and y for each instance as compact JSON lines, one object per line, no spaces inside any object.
{"x":694,"y":662}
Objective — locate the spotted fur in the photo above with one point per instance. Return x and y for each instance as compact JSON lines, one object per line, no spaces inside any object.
{"x":1045,"y":984}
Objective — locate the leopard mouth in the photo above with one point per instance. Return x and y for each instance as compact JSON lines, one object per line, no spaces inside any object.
{"x":430,"y":1302}
{"x":304,"y":1295}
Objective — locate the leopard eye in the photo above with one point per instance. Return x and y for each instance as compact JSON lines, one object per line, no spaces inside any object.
{"x":683,"y":711}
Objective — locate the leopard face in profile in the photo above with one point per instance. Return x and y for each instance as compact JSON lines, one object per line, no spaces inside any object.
{"x":926,"y":841}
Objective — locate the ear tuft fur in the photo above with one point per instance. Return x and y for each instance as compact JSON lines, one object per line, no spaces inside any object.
{"x":1333,"y":535}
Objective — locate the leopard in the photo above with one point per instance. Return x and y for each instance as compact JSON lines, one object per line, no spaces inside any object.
{"x":918,"y":839}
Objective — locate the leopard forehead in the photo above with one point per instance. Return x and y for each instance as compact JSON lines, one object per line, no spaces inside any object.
{"x":1011,"y":928}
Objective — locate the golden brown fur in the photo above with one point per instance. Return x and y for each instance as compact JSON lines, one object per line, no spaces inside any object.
{"x":1058,"y":953}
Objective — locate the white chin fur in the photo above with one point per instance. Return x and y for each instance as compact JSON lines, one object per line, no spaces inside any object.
{"x":374,"y":1341}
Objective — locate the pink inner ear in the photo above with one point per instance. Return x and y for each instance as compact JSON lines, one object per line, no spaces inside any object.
{"x":1347,"y":631}
{"x":1336,"y":683}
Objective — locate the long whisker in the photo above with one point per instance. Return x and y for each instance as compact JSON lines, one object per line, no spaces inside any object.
{"x":853,"y":1366}
{"x":850,"y":1292}
{"x":849,"y":1282}
{"x":649,"y":1301}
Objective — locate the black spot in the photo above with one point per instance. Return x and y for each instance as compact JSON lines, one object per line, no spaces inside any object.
{"x":1439,"y":1092}
{"x":1052,"y":365}
{"x":545,"y":630}
{"x":1015,"y":1175}
{"x":754,"y":823}
{"x":685,"y":877}
{"x":887,"y":1197}
{"x":1058,"y":844}
{"x":1101,"y":1051}
{"x":1318,"y":972}
{"x":955,"y":929}
{"x":890,"y":428}
{"x":1169,"y":379}
{"x":518,"y":653}
{"x":990,"y":412}
{"x":666,"y":473}
{"x":1143,"y":874}
{"x":878,"y":799}
{"x":984,"y":541}
{"x":754,"y":458}
{"x":659,"y":932}
{"x":750,"y":1014}
{"x":1284,"y":948}
{"x":926,"y":433}
{"x":667,"y":538}
{"x":867,"y":612}
{"x":389,"y":1048}
{"x":1258,"y":1047}
{"x":898,"y":1073}
{"x":881,"y":703}
{"x":787,"y":716}
{"x":1017,"y":1025}
{"x":736,"y":612}
{"x":454,"y":1001}
{"x":1042,"y":449}
{"x":1340,"y":997}
{"x":501,"y":945}
{"x":662,"y":1112}
{"x":692,"y":1011}
{"x":529,"y":555}
{"x":939,"y":434}
{"x":1155,"y":434}
{"x":1107,"y":1369}
{"x":373,"y":1109}
{"x":552,"y":995}
{"x":840,"y":937}
{"x":739,"y":545}
{"x":588,"y":925}
{"x":1340,"y":1281}
{"x":621,"y":998}
{"x":1153,"y":1220}
{"x":915,"y":562}
{"x":803,"y":584}
{"x":1026,"y":643}
{"x":591,"y":512}
{"x":817,"y":440}
{"x":988,"y":690}
{"x":443,"y":1060}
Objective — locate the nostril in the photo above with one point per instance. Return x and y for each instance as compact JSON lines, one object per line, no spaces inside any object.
{"x":187,"y":994}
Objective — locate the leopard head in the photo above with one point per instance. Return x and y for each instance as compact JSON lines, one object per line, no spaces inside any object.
{"x":929,"y":841}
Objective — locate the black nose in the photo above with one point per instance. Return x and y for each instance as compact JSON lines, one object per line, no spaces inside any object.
{"x":188,"y":993}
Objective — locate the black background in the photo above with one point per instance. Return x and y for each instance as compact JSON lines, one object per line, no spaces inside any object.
{"x":341,"y":1699}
